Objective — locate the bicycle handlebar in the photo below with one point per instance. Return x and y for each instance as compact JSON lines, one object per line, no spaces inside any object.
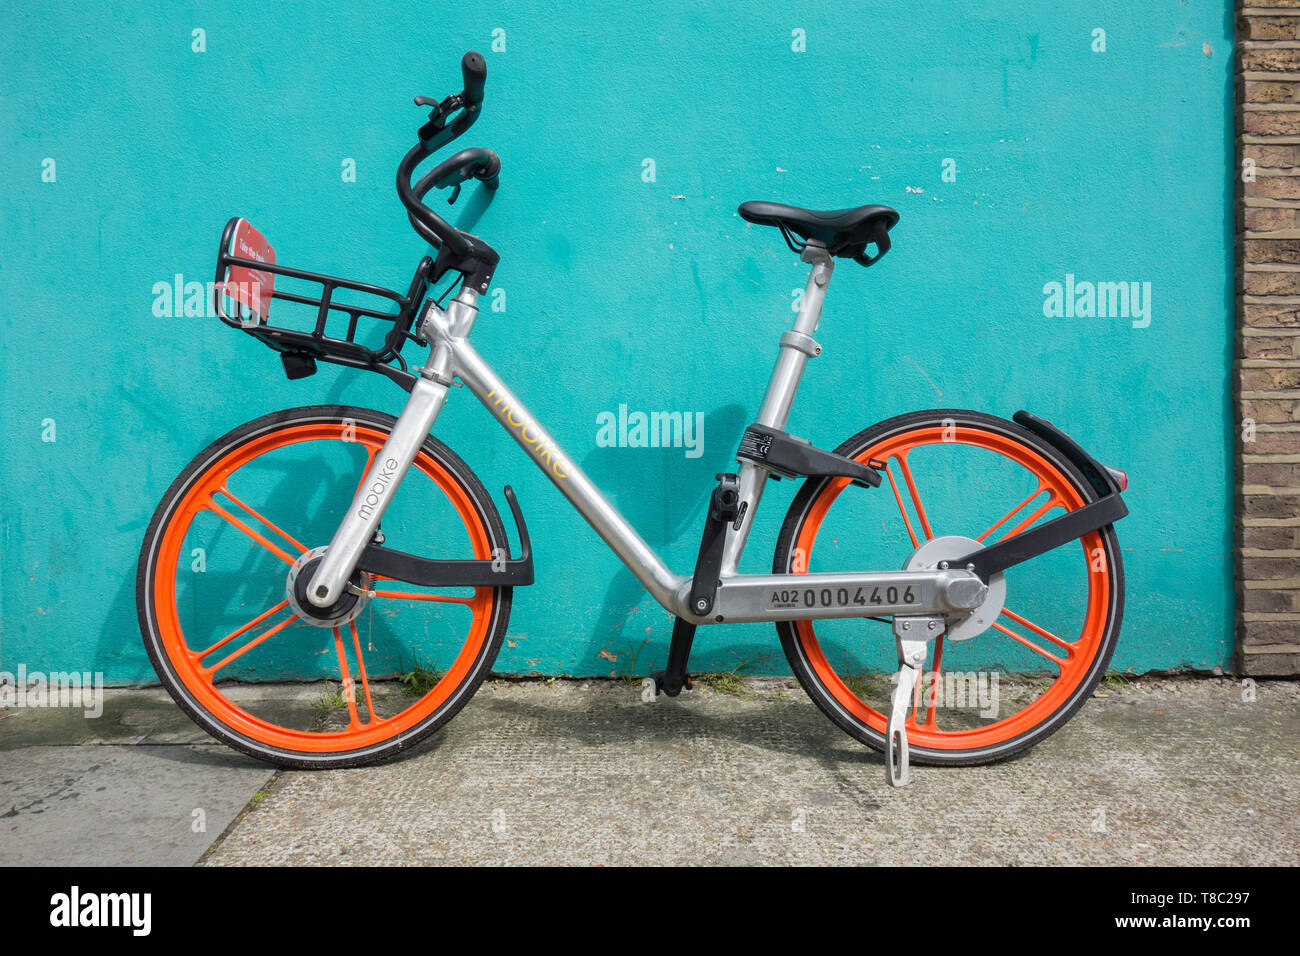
{"x":482,"y":164}
{"x":473,"y":163}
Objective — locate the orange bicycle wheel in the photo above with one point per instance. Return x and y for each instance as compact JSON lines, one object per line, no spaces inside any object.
{"x":961,"y":473}
{"x":223,"y":634}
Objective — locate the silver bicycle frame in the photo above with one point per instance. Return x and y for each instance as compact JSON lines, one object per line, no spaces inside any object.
{"x":740,"y":597}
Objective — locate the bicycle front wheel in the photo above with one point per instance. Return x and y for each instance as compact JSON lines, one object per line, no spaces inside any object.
{"x":981,"y":479}
{"x":219,"y":622}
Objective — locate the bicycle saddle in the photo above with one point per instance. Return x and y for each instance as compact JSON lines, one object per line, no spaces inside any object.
{"x":844,"y":232}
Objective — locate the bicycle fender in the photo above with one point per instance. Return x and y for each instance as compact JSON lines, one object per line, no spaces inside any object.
{"x":1105,"y":509}
{"x":1102,"y":479}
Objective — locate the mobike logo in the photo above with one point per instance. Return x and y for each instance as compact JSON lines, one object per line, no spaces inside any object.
{"x":534,"y":439}
{"x":381,"y":482}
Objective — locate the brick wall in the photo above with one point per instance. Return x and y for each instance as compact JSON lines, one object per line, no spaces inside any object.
{"x":1267,"y":373}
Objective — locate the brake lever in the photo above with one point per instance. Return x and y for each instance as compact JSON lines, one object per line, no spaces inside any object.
{"x":438,"y":115}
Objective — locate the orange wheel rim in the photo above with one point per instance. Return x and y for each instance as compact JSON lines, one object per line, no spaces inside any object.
{"x":1075,"y":658}
{"x":365,"y":728}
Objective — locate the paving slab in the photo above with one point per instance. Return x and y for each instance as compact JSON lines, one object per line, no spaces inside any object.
{"x":137,"y":785}
{"x":1159,"y":771}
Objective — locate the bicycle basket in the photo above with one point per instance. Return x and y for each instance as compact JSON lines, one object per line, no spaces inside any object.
{"x":375,"y":322}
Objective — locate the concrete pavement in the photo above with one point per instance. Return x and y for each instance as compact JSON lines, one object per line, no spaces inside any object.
{"x":1157,"y":771}
{"x":138,"y":785}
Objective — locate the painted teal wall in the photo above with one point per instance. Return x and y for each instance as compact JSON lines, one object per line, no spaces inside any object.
{"x":1107,"y":165}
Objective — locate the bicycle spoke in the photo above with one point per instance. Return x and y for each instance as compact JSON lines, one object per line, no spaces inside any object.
{"x":281,"y":532}
{"x":349,"y":688}
{"x":259,"y":538}
{"x":247,"y":627}
{"x":1047,"y":506}
{"x":901,"y":509}
{"x":916,"y":498}
{"x":1059,"y":662}
{"x":249,"y":646}
{"x":361,"y":669}
{"x":1014,"y":511}
{"x":1041,"y":631}
{"x":370,"y":458}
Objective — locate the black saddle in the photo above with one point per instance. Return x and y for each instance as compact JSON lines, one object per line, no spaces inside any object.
{"x":844,"y":232}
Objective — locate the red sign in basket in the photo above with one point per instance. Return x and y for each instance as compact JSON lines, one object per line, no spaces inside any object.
{"x":250,"y":287}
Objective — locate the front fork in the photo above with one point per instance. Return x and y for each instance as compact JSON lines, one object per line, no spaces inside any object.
{"x":355,"y":532}
{"x":375,"y":492}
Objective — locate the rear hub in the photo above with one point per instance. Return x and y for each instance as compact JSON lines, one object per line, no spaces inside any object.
{"x":946,"y":551}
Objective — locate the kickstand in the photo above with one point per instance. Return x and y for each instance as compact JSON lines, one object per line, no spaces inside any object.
{"x":911,"y":658}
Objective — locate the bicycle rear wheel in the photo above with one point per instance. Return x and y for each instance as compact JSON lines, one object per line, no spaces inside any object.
{"x":952,"y":472}
{"x":222,"y":632}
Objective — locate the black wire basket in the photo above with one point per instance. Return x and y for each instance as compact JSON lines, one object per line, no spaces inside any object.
{"x":370,"y":313}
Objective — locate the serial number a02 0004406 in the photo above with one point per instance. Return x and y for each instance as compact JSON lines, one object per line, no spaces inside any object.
{"x":858,"y":596}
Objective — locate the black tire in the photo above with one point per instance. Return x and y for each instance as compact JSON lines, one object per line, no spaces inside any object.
{"x":301,"y":760}
{"x":826,"y":701}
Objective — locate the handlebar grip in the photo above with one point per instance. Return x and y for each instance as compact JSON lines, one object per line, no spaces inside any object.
{"x":474,"y":69}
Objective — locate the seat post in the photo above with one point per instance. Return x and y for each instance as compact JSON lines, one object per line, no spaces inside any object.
{"x":797,"y":344}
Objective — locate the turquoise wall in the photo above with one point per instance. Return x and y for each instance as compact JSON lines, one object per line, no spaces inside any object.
{"x":1108,"y":166}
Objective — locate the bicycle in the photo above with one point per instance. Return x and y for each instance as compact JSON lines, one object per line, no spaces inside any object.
{"x":351,"y":706}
